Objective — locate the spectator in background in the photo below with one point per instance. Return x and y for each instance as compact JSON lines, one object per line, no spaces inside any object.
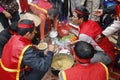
{"x":21,"y":59}
{"x":58,"y":4}
{"x":6,"y":34}
{"x":108,"y":17}
{"x":113,"y":27}
{"x":108,"y":3}
{"x":92,"y":5}
{"x":68,"y":7}
{"x":8,"y":11}
{"x":83,"y":69}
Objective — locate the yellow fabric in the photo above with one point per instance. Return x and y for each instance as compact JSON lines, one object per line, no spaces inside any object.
{"x":106,"y":70}
{"x":20,"y":60}
{"x":64,"y":76}
{"x":19,"y":64}
{"x":37,"y":7}
{"x":7,"y":69}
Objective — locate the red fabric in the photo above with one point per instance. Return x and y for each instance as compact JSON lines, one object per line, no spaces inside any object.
{"x":44,"y":4}
{"x":1,"y":9}
{"x":20,"y":25}
{"x":92,"y":29}
{"x":79,"y":12}
{"x":43,"y":15}
{"x":83,"y":60}
{"x":24,"y":5}
{"x":118,"y":10}
{"x":61,"y":28}
{"x":14,"y":48}
{"x":94,"y":71}
{"x":74,"y":29}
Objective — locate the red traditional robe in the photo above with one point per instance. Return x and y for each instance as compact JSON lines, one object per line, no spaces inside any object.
{"x":96,"y":71}
{"x":92,"y":29}
{"x":41,"y":8}
{"x":12,"y":57}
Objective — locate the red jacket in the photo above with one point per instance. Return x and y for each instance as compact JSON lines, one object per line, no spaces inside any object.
{"x":92,"y":29}
{"x":96,"y":71}
{"x":11,"y":63}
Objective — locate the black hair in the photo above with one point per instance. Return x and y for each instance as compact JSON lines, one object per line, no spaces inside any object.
{"x":83,"y":10}
{"x":110,"y":10}
{"x":118,"y":2}
{"x":14,"y":26}
{"x":23,"y":31}
{"x":84,"y":50}
{"x":53,"y":12}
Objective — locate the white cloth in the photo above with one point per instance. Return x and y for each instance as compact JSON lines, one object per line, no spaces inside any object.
{"x":112,"y":28}
{"x":86,"y":38}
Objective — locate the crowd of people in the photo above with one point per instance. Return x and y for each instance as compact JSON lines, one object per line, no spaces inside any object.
{"x":20,"y":58}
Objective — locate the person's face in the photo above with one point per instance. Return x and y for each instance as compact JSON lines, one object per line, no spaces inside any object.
{"x":75,"y":19}
{"x":32,"y":34}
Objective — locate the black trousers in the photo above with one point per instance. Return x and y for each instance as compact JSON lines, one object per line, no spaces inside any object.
{"x":5,"y":21}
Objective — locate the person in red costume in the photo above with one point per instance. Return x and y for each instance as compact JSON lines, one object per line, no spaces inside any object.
{"x":88,"y":31}
{"x":21,"y":60}
{"x":24,"y":6}
{"x":46,"y":12}
{"x":83,"y":69}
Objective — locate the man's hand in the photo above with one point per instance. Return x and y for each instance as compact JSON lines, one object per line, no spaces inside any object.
{"x":99,"y":37}
{"x":51,"y":48}
{"x":7,"y":14}
{"x":98,"y":12}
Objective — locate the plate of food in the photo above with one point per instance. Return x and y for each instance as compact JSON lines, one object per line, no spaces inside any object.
{"x":42,"y":46}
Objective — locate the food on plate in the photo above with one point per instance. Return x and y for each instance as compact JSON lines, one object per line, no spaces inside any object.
{"x":42,"y":45}
{"x":70,"y":37}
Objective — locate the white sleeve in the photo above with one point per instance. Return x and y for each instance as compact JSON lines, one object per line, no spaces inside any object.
{"x":86,"y":38}
{"x":112,"y":28}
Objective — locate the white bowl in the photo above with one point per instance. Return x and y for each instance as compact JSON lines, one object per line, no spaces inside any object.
{"x":53,"y":34}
